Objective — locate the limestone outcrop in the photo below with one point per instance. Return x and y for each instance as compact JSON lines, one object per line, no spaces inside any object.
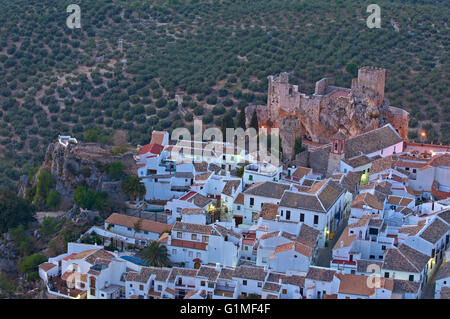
{"x":319,"y":116}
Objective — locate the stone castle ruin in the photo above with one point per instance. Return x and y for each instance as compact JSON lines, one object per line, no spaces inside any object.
{"x":319,"y":116}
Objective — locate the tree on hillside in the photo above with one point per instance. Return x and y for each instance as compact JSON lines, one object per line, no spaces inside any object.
{"x":254,"y":121}
{"x":352,"y":69}
{"x":137,"y":226}
{"x":298,"y":147}
{"x":84,"y":197}
{"x":241,"y":119}
{"x":14,"y":210}
{"x":227,"y":122}
{"x":133,"y":187}
{"x":115,"y":170}
{"x":155,"y":255}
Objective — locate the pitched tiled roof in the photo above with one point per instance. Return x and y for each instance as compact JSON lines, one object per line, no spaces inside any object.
{"x":444,"y":271}
{"x":405,"y":286}
{"x":201,"y":167}
{"x":46,"y":266}
{"x":270,"y":286}
{"x":209,"y":272}
{"x":372,"y":141}
{"x":146,"y":272}
{"x":193,"y":228}
{"x":440,"y":160}
{"x":203,"y":176}
{"x":434,"y":231}
{"x":399,"y":200}
{"x":191,"y":211}
{"x":445,"y":215}
{"x":130,"y":221}
{"x":229,"y":186}
{"x":357,"y":161}
{"x":157,"y":137}
{"x":301,"y":200}
{"x":363,"y":264}
{"x":321,"y":274}
{"x":267,"y":189}
{"x":226,"y":273}
{"x":269,"y":211}
{"x":357,"y":284}
{"x":176,"y":271}
{"x":200,"y":200}
{"x":330,"y":194}
{"x":239,"y":199}
{"x":248,"y":272}
{"x":404,"y":258}
{"x":308,"y":235}
{"x":367,"y":199}
{"x":151,"y":148}
{"x":188,"y":244}
{"x":301,"y":171}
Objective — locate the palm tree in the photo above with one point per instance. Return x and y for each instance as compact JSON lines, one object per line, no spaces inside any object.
{"x":133,"y":187}
{"x":155,"y":255}
{"x":137,"y":227}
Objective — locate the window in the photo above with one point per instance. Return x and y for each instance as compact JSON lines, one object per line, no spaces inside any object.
{"x":198,"y":255}
{"x":284,"y":291}
{"x":264,"y":260}
{"x":179,"y":234}
{"x":386,"y":275}
{"x":205,"y":239}
{"x":129,"y":228}
{"x":145,"y":232}
{"x":250,"y":177}
{"x":407,"y":168}
{"x":159,"y":287}
{"x":288,"y":214}
{"x":191,"y":254}
{"x":141,"y":287}
{"x":245,"y":247}
{"x":174,"y":251}
{"x":194,"y":236}
{"x":414,"y":170}
{"x":244,"y":282}
{"x":383,"y":247}
{"x":302,"y":217}
{"x":316,"y":219}
{"x":259,"y":284}
{"x":203,"y":283}
{"x":238,"y":207}
{"x":252,"y":201}
{"x":411,"y":277}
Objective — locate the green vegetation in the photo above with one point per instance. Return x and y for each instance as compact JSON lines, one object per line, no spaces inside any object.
{"x":14,"y":211}
{"x":155,"y":255}
{"x":133,"y":187}
{"x":298,"y":147}
{"x":87,"y":199}
{"x":115,"y":170}
{"x":30,"y":264}
{"x":216,"y":54}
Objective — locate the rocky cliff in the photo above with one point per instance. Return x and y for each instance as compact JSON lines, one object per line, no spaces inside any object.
{"x":81,"y":163}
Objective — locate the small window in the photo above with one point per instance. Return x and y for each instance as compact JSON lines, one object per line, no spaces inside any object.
{"x":316,"y":219}
{"x":284,"y":291}
{"x":302,"y":217}
{"x":174,"y":251}
{"x":245,"y":247}
{"x":194,"y":236}
{"x":238,"y":207}
{"x":288,"y":214}
{"x":141,"y":287}
{"x":259,"y":284}
{"x":252,"y":201}
{"x":386,"y":275}
{"x":244,"y":282}
{"x":179,"y":234}
{"x":383,"y":247}
{"x":145,"y":232}
{"x":205,"y":239}
{"x":203,"y":283}
{"x":250,"y":177}
{"x":129,"y":228}
{"x":411,"y":277}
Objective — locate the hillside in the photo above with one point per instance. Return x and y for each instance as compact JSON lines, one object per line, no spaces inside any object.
{"x":125,"y":67}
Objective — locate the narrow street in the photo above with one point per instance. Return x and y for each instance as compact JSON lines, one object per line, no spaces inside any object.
{"x":324,"y":254}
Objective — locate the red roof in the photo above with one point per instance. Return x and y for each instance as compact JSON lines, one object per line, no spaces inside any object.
{"x":188,"y":195}
{"x":69,"y":257}
{"x":188,"y":244}
{"x":151,"y":148}
{"x":343,"y":262}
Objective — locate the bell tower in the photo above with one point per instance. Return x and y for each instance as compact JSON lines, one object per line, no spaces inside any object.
{"x":337,"y":152}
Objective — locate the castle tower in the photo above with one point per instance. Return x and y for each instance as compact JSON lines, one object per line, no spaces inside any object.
{"x":371,"y":81}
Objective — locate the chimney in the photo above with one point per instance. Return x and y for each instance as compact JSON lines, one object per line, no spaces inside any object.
{"x":218,"y":266}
